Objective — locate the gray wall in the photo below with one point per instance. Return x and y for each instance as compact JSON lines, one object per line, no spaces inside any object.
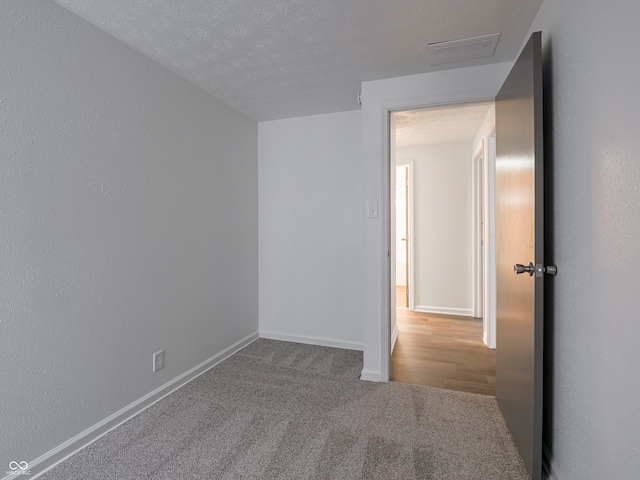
{"x":128,"y":224}
{"x":592,"y":109}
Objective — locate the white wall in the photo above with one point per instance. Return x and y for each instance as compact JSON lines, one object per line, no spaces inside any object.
{"x":457,"y":85}
{"x":442,"y":224}
{"x":311,"y":216}
{"x":592,"y":106}
{"x":128,"y":204}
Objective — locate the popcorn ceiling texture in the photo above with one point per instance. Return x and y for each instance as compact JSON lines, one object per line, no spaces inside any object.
{"x":282,"y":58}
{"x":437,"y":126}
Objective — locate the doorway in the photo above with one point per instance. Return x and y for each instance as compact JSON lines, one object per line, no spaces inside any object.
{"x":437,"y":243}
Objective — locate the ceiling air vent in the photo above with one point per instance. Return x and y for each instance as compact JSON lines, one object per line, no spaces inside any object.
{"x":465,"y":49}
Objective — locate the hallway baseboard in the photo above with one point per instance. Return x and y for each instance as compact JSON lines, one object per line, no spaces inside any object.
{"x":464,"y":312}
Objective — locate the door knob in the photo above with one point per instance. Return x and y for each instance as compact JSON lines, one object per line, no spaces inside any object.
{"x":539,"y":270}
{"x":518,"y":268}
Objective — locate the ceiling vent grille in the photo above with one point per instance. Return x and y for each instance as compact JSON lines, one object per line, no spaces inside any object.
{"x":464,"y":49}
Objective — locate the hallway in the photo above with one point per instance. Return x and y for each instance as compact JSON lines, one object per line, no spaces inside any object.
{"x":443,"y":351}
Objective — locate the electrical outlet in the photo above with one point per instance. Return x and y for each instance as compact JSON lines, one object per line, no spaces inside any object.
{"x":158,"y":360}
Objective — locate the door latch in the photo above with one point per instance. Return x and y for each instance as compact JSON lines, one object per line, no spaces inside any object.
{"x":538,"y":269}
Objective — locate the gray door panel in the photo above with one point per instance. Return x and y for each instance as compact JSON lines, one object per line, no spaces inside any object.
{"x":519,"y":240}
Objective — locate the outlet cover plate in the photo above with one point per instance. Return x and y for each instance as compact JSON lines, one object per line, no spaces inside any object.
{"x":158,"y":360}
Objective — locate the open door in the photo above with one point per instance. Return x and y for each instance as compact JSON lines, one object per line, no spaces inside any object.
{"x":520,"y":250}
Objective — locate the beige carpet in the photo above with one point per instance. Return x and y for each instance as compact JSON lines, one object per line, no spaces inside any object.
{"x":279,"y":410}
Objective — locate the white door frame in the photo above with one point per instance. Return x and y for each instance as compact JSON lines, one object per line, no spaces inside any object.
{"x":484,"y":241}
{"x":489,"y":303}
{"x":411,"y":237}
{"x":386,"y":205}
{"x":478,"y":205}
{"x":460,"y":85}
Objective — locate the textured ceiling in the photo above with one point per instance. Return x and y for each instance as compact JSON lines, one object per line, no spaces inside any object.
{"x":284,"y":58}
{"x":441,"y":125}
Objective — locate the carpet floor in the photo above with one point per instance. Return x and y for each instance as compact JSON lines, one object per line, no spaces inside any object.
{"x":280,"y":410}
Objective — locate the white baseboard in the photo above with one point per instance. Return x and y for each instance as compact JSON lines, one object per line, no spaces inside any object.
{"x":465,"y":312}
{"x":62,"y":452}
{"x":323,"y":342}
{"x":394,"y":337}
{"x":370,"y":376}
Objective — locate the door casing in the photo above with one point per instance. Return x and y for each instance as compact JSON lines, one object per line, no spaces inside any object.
{"x":379,"y":98}
{"x":388,"y":283}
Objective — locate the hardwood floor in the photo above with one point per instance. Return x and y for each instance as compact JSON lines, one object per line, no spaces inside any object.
{"x":443,"y":351}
